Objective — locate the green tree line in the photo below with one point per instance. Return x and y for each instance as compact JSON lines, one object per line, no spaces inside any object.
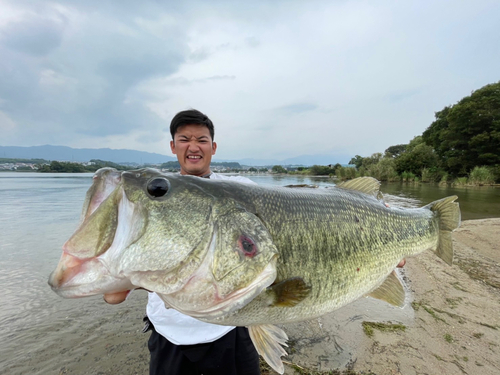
{"x":461,"y":144}
{"x":68,"y":167}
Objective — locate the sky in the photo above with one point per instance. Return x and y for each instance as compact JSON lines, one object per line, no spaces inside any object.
{"x":279,"y":79}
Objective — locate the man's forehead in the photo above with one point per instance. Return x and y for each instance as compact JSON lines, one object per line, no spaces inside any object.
{"x":190,"y":130}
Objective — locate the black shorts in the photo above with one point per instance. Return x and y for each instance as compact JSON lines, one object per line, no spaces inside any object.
{"x":232,"y":354}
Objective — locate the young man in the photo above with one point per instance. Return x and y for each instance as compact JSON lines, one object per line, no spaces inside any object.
{"x":179,"y":344}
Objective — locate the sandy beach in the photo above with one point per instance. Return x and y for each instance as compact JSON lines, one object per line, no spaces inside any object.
{"x":450,"y":325}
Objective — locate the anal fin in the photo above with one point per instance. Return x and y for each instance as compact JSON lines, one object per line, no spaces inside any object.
{"x":391,"y":291}
{"x":269,"y":341}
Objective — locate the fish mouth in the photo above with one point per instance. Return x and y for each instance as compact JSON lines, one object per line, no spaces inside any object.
{"x":86,"y":266}
{"x":74,"y":278}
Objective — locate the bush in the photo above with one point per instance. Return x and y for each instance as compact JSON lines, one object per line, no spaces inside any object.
{"x":278,"y":169}
{"x":481,"y":176}
{"x":321,"y":170}
{"x":407,"y":177}
{"x":495,"y":170}
{"x":383,"y":170}
{"x":444,"y":179}
{"x":461,"y":181}
{"x":346,"y":173}
{"x":426,"y":175}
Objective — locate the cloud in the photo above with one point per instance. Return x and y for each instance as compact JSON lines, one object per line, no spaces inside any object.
{"x":296,"y":108}
{"x":279,"y":79}
{"x":81,"y":77}
{"x":35,"y":35}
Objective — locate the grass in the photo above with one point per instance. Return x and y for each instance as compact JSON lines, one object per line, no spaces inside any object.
{"x":454,"y":302}
{"x":448,"y":338}
{"x":370,"y":327}
{"x":489,"y":326}
{"x":417,"y":305}
{"x":481,"y":176}
{"x":457,"y":286}
{"x":439,"y":358}
{"x":461,"y":181}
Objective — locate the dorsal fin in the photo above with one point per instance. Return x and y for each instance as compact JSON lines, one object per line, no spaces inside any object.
{"x":391,"y":291}
{"x":367,"y":185}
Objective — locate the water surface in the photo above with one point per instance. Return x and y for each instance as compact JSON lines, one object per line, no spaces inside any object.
{"x":38,"y":212}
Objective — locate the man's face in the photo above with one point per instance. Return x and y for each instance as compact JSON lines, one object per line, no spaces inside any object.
{"x":194,"y":149}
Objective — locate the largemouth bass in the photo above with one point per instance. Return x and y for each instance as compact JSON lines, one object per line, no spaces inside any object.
{"x":231,"y":253}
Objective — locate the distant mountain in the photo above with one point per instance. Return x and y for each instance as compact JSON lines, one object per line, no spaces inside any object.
{"x":63,"y":153}
{"x":123,"y":156}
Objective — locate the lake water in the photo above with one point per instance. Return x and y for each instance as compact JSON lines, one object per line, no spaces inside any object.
{"x":38,"y":212}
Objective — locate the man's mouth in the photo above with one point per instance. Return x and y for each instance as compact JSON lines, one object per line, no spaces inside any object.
{"x":194,"y":157}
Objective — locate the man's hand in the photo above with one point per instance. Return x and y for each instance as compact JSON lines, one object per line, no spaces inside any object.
{"x":116,"y":298}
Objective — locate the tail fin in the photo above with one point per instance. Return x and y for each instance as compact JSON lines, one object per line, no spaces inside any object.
{"x":448,"y":212}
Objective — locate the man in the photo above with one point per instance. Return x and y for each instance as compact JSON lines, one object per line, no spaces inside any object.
{"x":179,"y":344}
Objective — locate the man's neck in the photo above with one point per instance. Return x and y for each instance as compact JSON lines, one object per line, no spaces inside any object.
{"x":207,"y":175}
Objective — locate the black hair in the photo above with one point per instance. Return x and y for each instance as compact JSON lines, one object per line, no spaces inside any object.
{"x":189,"y":117}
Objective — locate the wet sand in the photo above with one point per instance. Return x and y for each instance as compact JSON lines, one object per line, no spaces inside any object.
{"x":451,"y":322}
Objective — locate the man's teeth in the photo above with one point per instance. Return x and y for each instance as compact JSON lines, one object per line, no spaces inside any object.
{"x":194,"y":157}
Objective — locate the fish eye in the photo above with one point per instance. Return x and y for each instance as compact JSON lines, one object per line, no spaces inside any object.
{"x":247,"y":246}
{"x":158,"y":187}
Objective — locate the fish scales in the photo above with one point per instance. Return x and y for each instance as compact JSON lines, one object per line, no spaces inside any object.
{"x":346,"y":241}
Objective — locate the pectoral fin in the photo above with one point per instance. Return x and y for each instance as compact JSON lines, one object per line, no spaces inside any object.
{"x":268,"y":340}
{"x":390,"y":291}
{"x":288,"y":293}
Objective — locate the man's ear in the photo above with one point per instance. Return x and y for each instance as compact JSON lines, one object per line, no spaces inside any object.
{"x":214,"y":148}
{"x":172,"y":147}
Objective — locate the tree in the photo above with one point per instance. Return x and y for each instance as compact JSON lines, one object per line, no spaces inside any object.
{"x":356,"y":161}
{"x":396,"y":150}
{"x":467,"y":134}
{"x":278,"y":169}
{"x":373,"y":159}
{"x":321,"y":170}
{"x":417,"y":156}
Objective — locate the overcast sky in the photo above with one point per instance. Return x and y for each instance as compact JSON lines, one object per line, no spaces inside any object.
{"x":279,"y":79}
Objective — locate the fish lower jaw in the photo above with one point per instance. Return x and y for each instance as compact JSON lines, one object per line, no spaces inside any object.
{"x":103,"y":285}
{"x":219,"y":306}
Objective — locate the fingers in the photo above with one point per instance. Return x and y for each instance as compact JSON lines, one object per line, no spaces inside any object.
{"x":116,"y":298}
{"x":402,"y":263}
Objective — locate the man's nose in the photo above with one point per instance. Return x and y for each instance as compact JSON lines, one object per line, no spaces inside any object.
{"x":193,"y":147}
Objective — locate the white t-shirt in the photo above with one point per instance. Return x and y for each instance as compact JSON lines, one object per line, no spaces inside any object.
{"x":181,"y":329}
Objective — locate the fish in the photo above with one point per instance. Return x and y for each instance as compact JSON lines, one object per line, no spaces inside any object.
{"x":231,"y":253}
